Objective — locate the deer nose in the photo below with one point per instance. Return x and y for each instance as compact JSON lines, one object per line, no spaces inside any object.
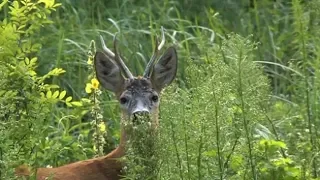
{"x":141,"y":108}
{"x":141,"y":111}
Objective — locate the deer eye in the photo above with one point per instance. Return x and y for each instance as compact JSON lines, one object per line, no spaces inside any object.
{"x":154,"y":98}
{"x":123,"y":100}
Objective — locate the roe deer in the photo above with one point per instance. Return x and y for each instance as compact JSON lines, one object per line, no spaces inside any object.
{"x":135,"y":94}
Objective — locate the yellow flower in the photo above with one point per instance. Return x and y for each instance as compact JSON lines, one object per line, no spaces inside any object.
{"x":102,"y":127}
{"x":88,"y":88}
{"x":93,"y":85}
{"x":90,"y":61}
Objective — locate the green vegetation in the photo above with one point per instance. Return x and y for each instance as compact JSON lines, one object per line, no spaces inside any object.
{"x":142,"y":160}
{"x":244,"y":105}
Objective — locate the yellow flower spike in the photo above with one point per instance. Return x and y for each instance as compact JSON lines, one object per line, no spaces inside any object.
{"x":94,"y":83}
{"x":88,"y":88}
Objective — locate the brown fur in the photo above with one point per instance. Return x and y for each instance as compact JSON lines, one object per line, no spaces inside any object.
{"x":99,"y":168}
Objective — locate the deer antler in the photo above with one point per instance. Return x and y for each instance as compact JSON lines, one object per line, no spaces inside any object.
{"x":155,"y":54}
{"x":116,"y":56}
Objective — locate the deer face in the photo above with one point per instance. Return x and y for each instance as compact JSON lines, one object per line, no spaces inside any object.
{"x":139,"y":96}
{"x":136,"y":94}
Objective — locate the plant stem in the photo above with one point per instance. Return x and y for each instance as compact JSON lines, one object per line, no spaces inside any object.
{"x":244,"y":118}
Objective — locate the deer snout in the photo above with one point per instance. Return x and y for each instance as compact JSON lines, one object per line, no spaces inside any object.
{"x":141,"y":113}
{"x":140,"y":109}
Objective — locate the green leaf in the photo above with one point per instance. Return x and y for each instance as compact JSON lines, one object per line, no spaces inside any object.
{"x":265,"y":142}
{"x":55,"y":94}
{"x":27,"y":61}
{"x":77,"y":103}
{"x":3,"y":3}
{"x":57,"y":5}
{"x":57,"y":71}
{"x":62,"y":95}
{"x":212,"y":153}
{"x":69,"y":99}
{"x":85,"y":100}
{"x":49,"y":94}
{"x":48,"y":3}
{"x":50,"y":86}
{"x":279,"y":144}
{"x":33,"y":61}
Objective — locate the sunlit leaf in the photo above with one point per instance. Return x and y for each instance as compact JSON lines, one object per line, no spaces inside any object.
{"x":76,"y":103}
{"x":212,"y":153}
{"x":68,"y":99}
{"x":55,"y":94}
{"x":49,"y":94}
{"x":62,"y":95}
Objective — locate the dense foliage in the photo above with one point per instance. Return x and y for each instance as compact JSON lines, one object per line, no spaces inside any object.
{"x":244,"y":104}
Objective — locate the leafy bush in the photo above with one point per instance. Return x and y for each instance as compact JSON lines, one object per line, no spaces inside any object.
{"x":27,"y":99}
{"x":211,"y":128}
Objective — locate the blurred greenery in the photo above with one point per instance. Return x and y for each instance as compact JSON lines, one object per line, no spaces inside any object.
{"x":244,"y":105}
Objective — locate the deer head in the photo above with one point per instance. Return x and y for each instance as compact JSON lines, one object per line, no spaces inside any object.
{"x":139,"y":94}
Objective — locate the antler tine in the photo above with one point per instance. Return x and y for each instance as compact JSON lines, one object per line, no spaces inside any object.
{"x":155,"y":54}
{"x":116,"y":56}
{"x":163,"y":39}
{"x":104,"y":47}
{"x":118,"y":59}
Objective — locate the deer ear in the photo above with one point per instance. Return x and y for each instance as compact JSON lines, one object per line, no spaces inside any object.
{"x":165,"y":69}
{"x":108,"y":72}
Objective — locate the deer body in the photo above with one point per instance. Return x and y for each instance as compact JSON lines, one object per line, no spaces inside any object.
{"x":136,"y":95}
{"x":106,"y":167}
{"x":98,"y":168}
